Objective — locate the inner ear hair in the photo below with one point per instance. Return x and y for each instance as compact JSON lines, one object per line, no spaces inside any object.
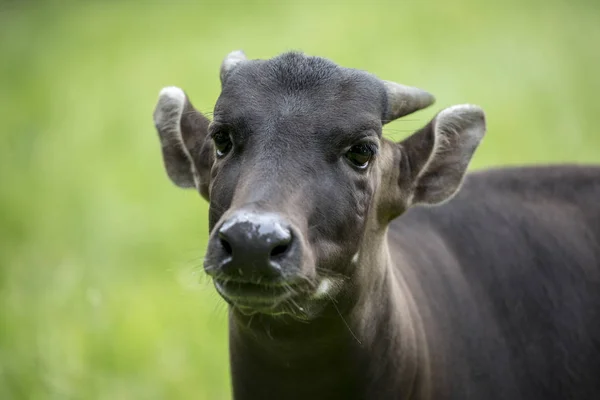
{"x":440,"y":153}
{"x":182,"y":131}
{"x":167,"y":120}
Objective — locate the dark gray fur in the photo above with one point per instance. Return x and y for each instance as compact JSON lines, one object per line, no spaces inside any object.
{"x":487,"y":288}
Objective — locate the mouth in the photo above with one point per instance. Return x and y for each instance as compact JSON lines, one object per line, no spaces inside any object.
{"x":250,"y":298}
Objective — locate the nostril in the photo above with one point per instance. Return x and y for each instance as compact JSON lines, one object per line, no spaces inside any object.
{"x":283,"y":241}
{"x":280,"y":249}
{"x":253,"y":242}
{"x":226,"y":246}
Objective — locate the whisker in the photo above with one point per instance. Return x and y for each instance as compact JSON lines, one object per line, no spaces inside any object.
{"x":289,"y":288}
{"x":331,"y":274}
{"x":343,"y":320}
{"x":250,"y":321}
{"x":293,"y":302}
{"x":312,"y":282}
{"x":299,"y":309}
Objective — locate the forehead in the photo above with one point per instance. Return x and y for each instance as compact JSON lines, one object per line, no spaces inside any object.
{"x":294,"y":86}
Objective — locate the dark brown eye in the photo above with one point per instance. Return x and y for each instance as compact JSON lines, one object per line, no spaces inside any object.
{"x":222,"y":142}
{"x":361,"y":154}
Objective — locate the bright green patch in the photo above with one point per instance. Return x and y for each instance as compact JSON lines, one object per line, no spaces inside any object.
{"x":101,"y":290}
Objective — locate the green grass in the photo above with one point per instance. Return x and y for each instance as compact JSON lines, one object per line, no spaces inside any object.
{"x":101,"y":290}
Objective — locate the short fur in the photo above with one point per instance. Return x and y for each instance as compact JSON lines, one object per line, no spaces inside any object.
{"x":486,"y":286}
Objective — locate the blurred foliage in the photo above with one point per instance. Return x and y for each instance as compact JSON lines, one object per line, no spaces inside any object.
{"x":101,"y":290}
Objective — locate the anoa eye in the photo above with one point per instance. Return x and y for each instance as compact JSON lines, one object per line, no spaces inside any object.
{"x":222,"y":142}
{"x":361,"y":154}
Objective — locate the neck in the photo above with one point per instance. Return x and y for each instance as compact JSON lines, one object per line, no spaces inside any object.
{"x":369,"y":344}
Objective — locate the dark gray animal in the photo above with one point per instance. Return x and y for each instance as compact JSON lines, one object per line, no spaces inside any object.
{"x":494,"y":293}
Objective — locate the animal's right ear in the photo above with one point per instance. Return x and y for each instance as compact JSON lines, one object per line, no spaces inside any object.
{"x":183,"y":131}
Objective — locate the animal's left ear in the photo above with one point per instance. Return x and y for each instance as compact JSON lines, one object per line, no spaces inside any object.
{"x":434,"y":160}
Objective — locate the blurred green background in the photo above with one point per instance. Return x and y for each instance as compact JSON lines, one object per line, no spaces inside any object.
{"x":102,"y":295}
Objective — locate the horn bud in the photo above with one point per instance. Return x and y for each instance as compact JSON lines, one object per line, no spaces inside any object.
{"x":403,"y":100}
{"x":232,"y":60}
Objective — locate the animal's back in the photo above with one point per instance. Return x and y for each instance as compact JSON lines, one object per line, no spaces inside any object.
{"x":508,"y":276}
